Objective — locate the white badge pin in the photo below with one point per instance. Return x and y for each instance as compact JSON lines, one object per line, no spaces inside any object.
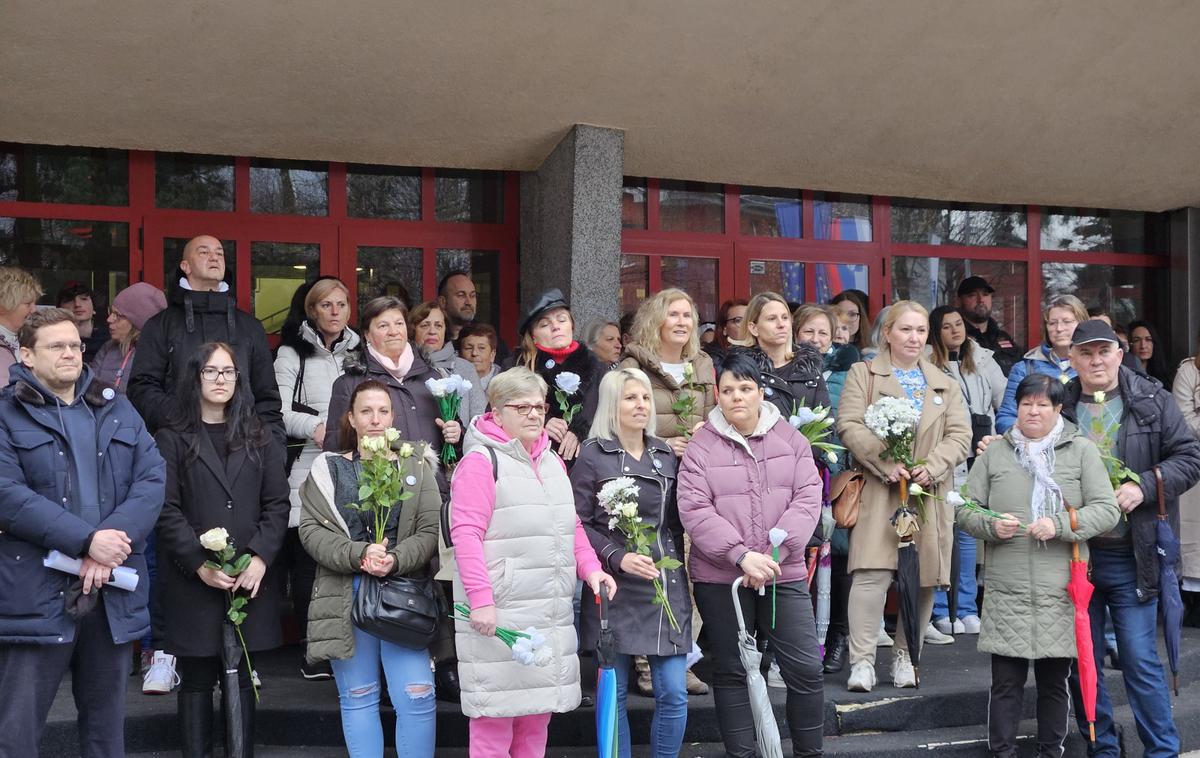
{"x":550,"y":363}
{"x":657,"y":463}
{"x":937,"y":399}
{"x":410,"y":480}
{"x":108,"y":393}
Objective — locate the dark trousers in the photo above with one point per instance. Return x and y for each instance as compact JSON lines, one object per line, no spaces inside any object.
{"x":30,"y":676}
{"x":1008,"y":695}
{"x":839,"y":596}
{"x":794,"y":641}
{"x":302,"y":573}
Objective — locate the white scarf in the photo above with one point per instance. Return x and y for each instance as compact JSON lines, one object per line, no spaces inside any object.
{"x":1037,"y":458}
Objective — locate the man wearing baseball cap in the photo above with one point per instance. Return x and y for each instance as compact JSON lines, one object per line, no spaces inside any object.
{"x":1135,"y":420}
{"x":975,"y":305}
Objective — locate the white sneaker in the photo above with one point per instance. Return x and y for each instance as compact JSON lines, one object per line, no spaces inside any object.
{"x":970,"y":624}
{"x":958,"y":627}
{"x":862,"y":677}
{"x":884,"y":640}
{"x":774,"y":678}
{"x":935,"y":637}
{"x":160,"y":678}
{"x":903,"y":675}
{"x":944,"y":626}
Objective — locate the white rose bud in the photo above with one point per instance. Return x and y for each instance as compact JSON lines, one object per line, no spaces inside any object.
{"x":406,"y":450}
{"x":1098,"y":396}
{"x":214,"y":539}
{"x":955,"y":499}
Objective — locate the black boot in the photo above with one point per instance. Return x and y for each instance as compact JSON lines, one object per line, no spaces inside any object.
{"x":195,"y":723}
{"x":445,"y":680}
{"x":836,"y":653}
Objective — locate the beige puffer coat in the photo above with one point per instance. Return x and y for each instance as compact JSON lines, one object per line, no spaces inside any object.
{"x":665,"y":390}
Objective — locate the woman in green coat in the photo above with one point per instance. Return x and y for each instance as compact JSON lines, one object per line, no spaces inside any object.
{"x":1041,"y":468}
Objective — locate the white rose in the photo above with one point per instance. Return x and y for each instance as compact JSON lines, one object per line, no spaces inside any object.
{"x":391,"y":434}
{"x":214,"y":539}
{"x":1098,"y":396}
{"x":777,"y":536}
{"x":406,"y":450}
{"x":954,"y":499}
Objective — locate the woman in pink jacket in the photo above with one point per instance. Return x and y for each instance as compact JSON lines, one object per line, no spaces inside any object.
{"x":745,"y":473}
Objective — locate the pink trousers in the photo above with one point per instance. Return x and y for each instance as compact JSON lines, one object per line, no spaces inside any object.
{"x":517,"y":737}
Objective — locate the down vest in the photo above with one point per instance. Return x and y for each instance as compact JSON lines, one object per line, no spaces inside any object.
{"x":733,"y":490}
{"x":1027,"y":612}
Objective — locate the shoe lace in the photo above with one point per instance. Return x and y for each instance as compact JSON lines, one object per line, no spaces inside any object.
{"x":162,"y":670}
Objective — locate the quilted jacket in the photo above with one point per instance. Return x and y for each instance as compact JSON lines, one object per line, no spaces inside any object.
{"x":1027,"y":612}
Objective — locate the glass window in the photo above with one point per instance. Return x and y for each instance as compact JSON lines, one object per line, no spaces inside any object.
{"x":195,"y":182}
{"x":484,"y":268}
{"x":276,"y":270}
{"x":83,"y":175}
{"x":293,"y":188}
{"x":95,"y":253}
{"x":782,"y":277}
{"x":691,"y":207}
{"x":698,"y":278}
{"x":393,"y":271}
{"x":841,"y":217}
{"x":1119,"y":290}
{"x":383,"y":192}
{"x":173,"y":254}
{"x":931,"y":222}
{"x":469,"y":196}
{"x":934,"y":281}
{"x":1096,"y":230}
{"x":633,"y":203}
{"x":833,"y":278}
{"x":769,"y":212}
{"x":635,"y":281}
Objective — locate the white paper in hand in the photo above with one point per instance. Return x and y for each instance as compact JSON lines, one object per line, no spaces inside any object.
{"x":123,"y":577}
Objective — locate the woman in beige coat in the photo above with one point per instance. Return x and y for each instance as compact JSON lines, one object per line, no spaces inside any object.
{"x":1186,"y":390}
{"x":942,"y":437}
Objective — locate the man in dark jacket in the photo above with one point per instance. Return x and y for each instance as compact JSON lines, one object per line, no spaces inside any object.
{"x":975,"y":305}
{"x":79,"y":475}
{"x":201,"y":309}
{"x":1135,"y":420}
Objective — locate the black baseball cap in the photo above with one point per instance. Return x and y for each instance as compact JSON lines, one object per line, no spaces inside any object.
{"x":972,"y":284}
{"x":1094,"y":330}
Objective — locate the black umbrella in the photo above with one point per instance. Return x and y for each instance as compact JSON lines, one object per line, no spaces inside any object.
{"x":231,"y":658}
{"x":908,"y":584}
{"x":955,"y":568}
{"x":1170,"y":602}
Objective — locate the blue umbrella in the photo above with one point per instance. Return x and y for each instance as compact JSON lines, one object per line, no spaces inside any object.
{"x":606,"y":684}
{"x":1170,"y":603}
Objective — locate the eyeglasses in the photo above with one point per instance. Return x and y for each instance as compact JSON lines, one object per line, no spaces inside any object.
{"x":58,"y":348}
{"x":210,"y":374}
{"x":524,"y":409}
{"x":734,"y":319}
{"x":1063,"y":324}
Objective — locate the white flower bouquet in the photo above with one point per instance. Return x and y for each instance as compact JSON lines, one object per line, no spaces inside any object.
{"x":449,"y":393}
{"x":894,"y":421}
{"x":619,"y":499}
{"x":816,"y":424}
{"x":381,"y":484}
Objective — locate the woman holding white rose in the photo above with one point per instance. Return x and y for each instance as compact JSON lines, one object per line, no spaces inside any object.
{"x":224,"y":471}
{"x":343,"y":542}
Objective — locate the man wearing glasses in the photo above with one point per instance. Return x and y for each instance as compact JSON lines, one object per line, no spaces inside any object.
{"x":80,"y":475}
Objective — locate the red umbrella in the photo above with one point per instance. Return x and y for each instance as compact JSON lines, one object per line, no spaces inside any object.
{"x":1080,"y":590}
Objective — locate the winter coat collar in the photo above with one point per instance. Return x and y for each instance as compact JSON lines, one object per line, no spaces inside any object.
{"x":30,"y":391}
{"x":485,"y":431}
{"x":652,"y":364}
{"x":1137,"y":392}
{"x":768,"y":416}
{"x":1070,"y":432}
{"x":307,"y":342}
{"x":360,"y":362}
{"x":225,"y":472}
{"x":653,"y":444}
{"x":937,"y":379}
{"x":1043,"y":352}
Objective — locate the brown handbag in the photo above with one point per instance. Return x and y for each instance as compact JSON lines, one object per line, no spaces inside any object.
{"x":845,"y":491}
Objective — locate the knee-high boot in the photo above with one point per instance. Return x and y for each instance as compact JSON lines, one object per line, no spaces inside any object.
{"x":195,"y":723}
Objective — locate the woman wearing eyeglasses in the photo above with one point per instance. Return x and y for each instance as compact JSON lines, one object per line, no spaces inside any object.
{"x":224,"y":469}
{"x":1052,"y":357}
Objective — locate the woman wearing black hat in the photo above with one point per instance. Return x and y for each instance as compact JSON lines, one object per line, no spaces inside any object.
{"x":548,"y":347}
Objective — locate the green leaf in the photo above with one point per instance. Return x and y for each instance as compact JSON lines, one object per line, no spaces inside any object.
{"x":231,"y":614}
{"x":365,"y":490}
{"x":229,"y":569}
{"x":211,"y":565}
{"x":406,"y":495}
{"x":242,"y":563}
{"x":238,"y":602}
{"x":668,"y":563}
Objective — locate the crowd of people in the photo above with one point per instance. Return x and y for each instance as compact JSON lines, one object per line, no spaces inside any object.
{"x":652,"y":460}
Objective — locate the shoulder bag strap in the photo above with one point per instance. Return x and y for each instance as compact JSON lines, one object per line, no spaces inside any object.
{"x":299,"y":379}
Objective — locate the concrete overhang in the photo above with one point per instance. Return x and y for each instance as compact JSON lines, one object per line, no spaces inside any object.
{"x":1075,"y":102}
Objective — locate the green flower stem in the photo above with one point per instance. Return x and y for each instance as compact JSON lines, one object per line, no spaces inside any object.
{"x":774,"y":583}
{"x":660,"y":597}
{"x":237,"y":627}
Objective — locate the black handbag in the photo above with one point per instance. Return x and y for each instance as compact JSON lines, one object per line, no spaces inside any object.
{"x":981,"y":423}
{"x":398,"y":609}
{"x":295,"y":445}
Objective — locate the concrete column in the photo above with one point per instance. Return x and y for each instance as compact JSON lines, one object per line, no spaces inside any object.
{"x":571,"y":224}
{"x":1184,"y":289}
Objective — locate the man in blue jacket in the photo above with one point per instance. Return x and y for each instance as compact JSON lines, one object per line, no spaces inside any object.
{"x":78,"y":474}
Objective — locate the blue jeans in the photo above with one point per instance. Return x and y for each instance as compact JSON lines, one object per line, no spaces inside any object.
{"x":410,"y":687}
{"x":669,"y":673}
{"x":967,"y":588}
{"x":1136,"y":625}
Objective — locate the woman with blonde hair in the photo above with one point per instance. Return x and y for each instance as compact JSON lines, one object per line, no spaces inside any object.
{"x":940,"y":443}
{"x":791,"y":372}
{"x":1053,"y":357}
{"x":666,"y":345}
{"x":19,"y":292}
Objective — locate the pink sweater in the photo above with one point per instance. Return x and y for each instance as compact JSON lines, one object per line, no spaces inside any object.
{"x":473,"y":497}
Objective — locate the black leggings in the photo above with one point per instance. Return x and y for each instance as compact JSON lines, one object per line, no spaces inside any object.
{"x":794,"y":641}
{"x":1008,"y":695}
{"x":201,"y":674}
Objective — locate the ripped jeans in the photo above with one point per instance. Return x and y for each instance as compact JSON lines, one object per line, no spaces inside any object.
{"x":410,"y":686}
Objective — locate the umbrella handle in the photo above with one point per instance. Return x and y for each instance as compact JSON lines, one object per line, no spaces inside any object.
{"x":1074,"y":526}
{"x":737,"y":605}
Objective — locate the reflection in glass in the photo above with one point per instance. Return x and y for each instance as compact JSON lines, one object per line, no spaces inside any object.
{"x":1093,"y":229}
{"x":95,"y":253}
{"x":833,"y":278}
{"x":276,"y":270}
{"x":838,"y":216}
{"x":484,"y":268}
{"x":173,"y":254}
{"x":392,"y":271}
{"x":934,"y":281}
{"x":195,"y":182}
{"x":633,"y":203}
{"x":785,"y":278}
{"x":469,"y":196}
{"x":770,"y":212}
{"x":931,"y":222}
{"x":691,"y":207}
{"x":45,"y":174}
{"x":635,"y":281}
{"x":1120,"y":290}
{"x":698,"y":278}
{"x":383,"y":192}
{"x":294,"y":188}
